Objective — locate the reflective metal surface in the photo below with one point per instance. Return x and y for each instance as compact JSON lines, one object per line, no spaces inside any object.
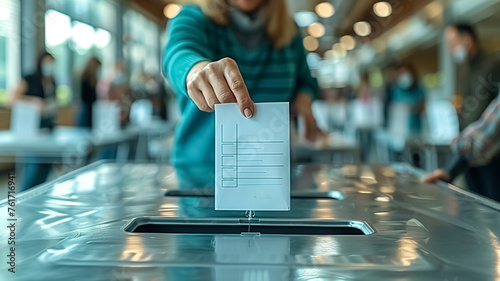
{"x":75,"y":228}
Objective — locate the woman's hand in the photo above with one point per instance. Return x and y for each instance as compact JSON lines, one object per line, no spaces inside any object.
{"x":303,"y":103}
{"x":210,"y":83}
{"x":437,"y":175}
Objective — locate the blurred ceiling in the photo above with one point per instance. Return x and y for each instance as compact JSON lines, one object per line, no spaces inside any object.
{"x":347,"y":13}
{"x":154,"y":8}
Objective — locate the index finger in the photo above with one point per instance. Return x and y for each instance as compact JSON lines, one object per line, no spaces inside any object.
{"x":237,"y":85}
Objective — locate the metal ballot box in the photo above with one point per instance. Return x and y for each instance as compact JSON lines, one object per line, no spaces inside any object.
{"x":112,"y":221}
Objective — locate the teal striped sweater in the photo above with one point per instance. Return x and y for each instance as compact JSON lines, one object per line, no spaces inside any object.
{"x":270,"y":74}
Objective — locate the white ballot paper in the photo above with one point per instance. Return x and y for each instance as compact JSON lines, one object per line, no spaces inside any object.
{"x":252,"y":158}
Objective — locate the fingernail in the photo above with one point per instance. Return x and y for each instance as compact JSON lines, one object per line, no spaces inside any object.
{"x":248,"y":113}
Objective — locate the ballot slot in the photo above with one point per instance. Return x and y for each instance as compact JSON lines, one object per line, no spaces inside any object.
{"x":239,"y":227}
{"x":198,"y":192}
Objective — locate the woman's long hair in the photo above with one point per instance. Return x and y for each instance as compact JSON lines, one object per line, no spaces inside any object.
{"x":90,"y":71}
{"x":280,"y":27}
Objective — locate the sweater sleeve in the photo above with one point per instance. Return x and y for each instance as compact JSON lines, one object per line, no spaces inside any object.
{"x":480,"y":141}
{"x":187,"y":45}
{"x":305,"y":82}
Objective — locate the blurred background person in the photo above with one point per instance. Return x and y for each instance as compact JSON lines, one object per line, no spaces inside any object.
{"x":116,"y":87}
{"x":365,"y":92}
{"x":119,"y":91}
{"x":366,"y":111}
{"x":39,"y":87}
{"x":88,"y":91}
{"x":390,"y":76}
{"x":477,"y":151}
{"x":149,"y":86}
{"x":408,"y":92}
{"x":478,"y":74}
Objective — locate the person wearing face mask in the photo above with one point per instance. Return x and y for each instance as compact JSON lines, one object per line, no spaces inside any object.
{"x":406,"y":90}
{"x":88,"y":91}
{"x":476,"y":149}
{"x":233,"y":51}
{"x":478,"y":75}
{"x":39,"y":87}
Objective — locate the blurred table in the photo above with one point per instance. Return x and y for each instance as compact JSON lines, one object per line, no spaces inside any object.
{"x":156,"y":129}
{"x":435,"y":153}
{"x":335,"y":149}
{"x":62,"y":142}
{"x":69,"y":146}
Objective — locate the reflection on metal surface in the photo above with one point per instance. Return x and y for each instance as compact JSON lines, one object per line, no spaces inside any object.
{"x":387,"y":189}
{"x":254,"y":250}
{"x":382,"y":199}
{"x":70,"y":232}
{"x":407,"y":251}
{"x":132,"y":246}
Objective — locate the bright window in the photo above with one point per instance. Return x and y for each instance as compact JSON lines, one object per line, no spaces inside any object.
{"x":9,"y":47}
{"x":141,"y":47}
{"x":75,"y":31}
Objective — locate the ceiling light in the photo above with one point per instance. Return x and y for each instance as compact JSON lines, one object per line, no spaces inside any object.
{"x":329,"y":55}
{"x":339,"y":50}
{"x":171,"y":10}
{"x":310,"y":43}
{"x":348,"y":42}
{"x":337,"y":47}
{"x":382,"y":9}
{"x":362,"y":28}
{"x":433,"y":10}
{"x":325,"y":10}
{"x":316,"y":30}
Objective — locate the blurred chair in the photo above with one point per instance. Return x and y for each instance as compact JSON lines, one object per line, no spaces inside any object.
{"x":399,"y":120}
{"x":443,"y":121}
{"x":106,"y":117}
{"x":443,"y":126}
{"x":141,"y":112}
{"x":25,"y":119}
{"x":364,"y":117}
{"x":366,"y":114}
{"x":25,"y":125}
{"x":391,"y":142}
{"x":106,"y":122}
{"x":329,"y":116}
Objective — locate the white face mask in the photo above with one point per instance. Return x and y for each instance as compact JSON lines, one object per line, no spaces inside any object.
{"x":48,"y":69}
{"x":405,"y":81}
{"x":460,"y":54}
